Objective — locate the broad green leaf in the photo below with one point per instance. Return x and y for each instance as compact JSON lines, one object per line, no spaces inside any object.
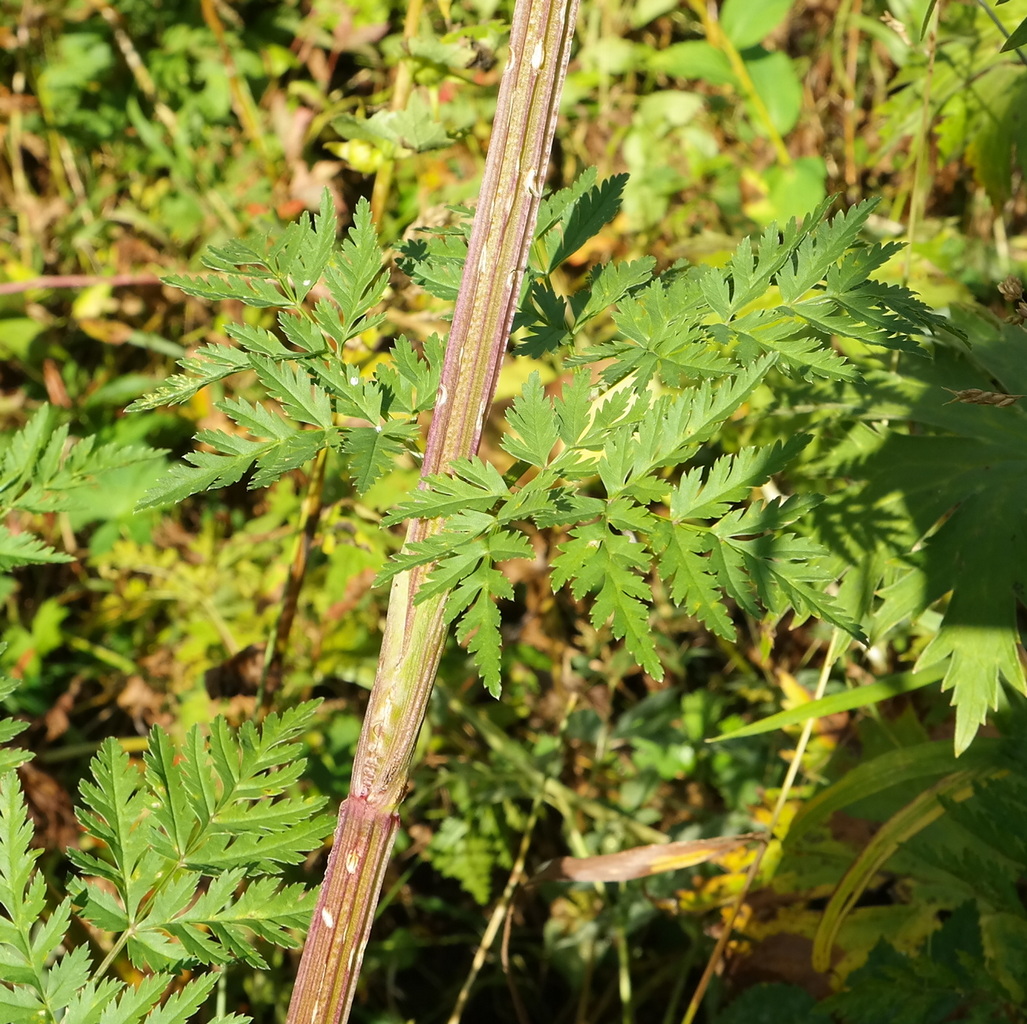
{"x":694,"y":59}
{"x":777,"y":84}
{"x":747,"y":24}
{"x":961,"y":479}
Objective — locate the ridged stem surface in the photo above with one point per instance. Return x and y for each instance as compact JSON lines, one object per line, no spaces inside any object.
{"x":415,"y":633}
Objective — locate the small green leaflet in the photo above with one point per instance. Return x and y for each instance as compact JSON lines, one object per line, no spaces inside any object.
{"x":307,"y":382}
{"x":189,"y":850}
{"x":610,"y":565}
{"x":42,"y":471}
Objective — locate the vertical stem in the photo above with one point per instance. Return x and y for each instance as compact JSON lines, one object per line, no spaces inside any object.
{"x":834,"y":649}
{"x":401,"y":90}
{"x":917,"y":198}
{"x":310,"y":517}
{"x":716,"y":36}
{"x":415,"y":633}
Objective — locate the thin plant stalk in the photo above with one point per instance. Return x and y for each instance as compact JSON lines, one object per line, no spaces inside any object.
{"x":309,"y":520}
{"x":415,"y":633}
{"x":717,"y":37}
{"x":834,"y":650}
{"x":503,"y":910}
{"x":401,"y":90}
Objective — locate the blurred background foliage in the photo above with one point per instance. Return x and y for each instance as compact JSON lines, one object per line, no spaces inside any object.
{"x":133,"y":133}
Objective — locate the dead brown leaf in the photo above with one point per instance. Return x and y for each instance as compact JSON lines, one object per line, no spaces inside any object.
{"x":641,"y":861}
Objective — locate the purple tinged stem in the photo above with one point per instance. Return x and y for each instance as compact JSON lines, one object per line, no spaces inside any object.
{"x":415,"y":634}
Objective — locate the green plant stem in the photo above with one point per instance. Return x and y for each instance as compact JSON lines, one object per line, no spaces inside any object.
{"x":917,"y":196}
{"x":834,"y":650}
{"x":310,"y":517}
{"x":503,"y":909}
{"x":401,"y":90}
{"x":716,"y":37}
{"x":989,"y":10}
{"x":415,"y":633}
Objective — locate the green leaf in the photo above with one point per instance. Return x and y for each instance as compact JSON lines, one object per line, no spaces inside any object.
{"x":475,"y":485}
{"x":292,"y":386}
{"x":731,"y":478}
{"x":693,"y":581}
{"x":533,"y":418}
{"x":436,"y":264}
{"x":255,"y":292}
{"x":9,"y":728}
{"x":474,"y":601}
{"x":356,"y":280}
{"x":206,"y":470}
{"x":373,"y":450}
{"x":574,"y":407}
{"x":979,"y":635}
{"x":747,"y":24}
{"x":24,"y":549}
{"x":859,"y":697}
{"x":961,"y":477}
{"x":22,"y":890}
{"x":181,"y":1005}
{"x":210,"y":364}
{"x":413,"y":128}
{"x":1018,"y":37}
{"x":113,"y":806}
{"x":922,"y":762}
{"x":787,"y":573}
{"x":97,"y":1002}
{"x":609,"y":284}
{"x":610,"y":565}
{"x":413,"y":381}
{"x":694,"y":59}
{"x":661,"y":335}
{"x":585,"y":216}
{"x":998,"y":145}
{"x":41,"y":471}
{"x":775,"y":81}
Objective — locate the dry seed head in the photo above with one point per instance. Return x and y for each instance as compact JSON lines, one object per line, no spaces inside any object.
{"x":975,"y":396}
{"x":1011,"y":289}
